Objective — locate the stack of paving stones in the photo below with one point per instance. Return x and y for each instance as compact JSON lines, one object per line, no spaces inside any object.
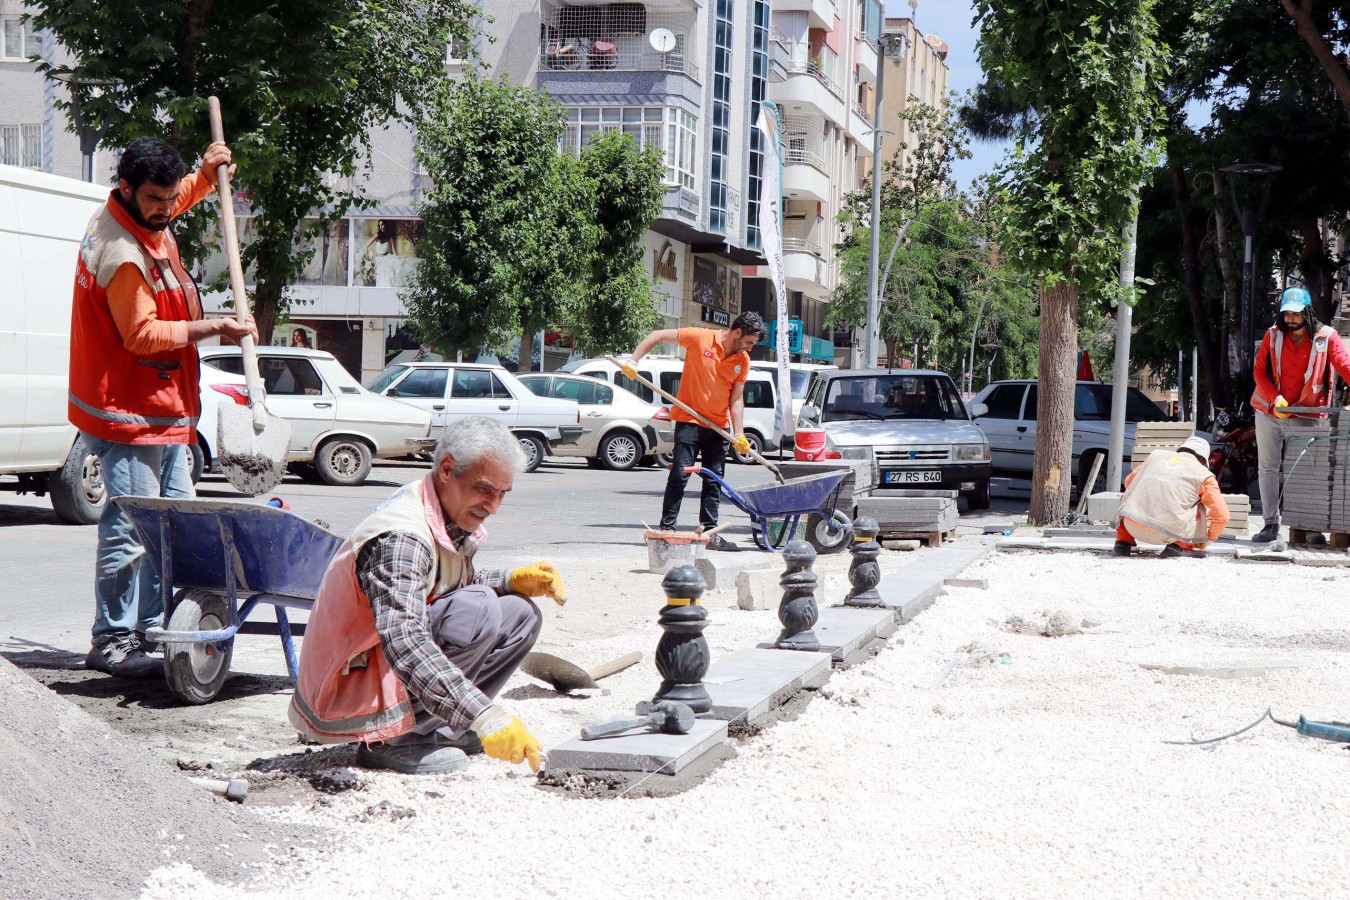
{"x":857,"y":483}
{"x":1307,"y":472}
{"x":1338,"y":518}
{"x":1150,"y":436}
{"x":912,"y":513}
{"x":1239,"y":511}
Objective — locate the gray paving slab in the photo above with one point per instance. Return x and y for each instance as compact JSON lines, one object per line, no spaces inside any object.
{"x":843,"y":631}
{"x":719,"y":570}
{"x":914,"y":588}
{"x":748,"y":684}
{"x":640,"y":751}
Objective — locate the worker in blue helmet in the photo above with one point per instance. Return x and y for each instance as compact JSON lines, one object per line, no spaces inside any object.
{"x":1292,"y":369}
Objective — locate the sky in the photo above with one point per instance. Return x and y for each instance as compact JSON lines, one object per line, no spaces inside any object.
{"x":951,"y":21}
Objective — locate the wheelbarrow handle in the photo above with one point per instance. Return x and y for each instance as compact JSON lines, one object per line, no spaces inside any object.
{"x":695,"y":469}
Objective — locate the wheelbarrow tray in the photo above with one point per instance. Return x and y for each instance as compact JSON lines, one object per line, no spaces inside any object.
{"x":189,"y":544}
{"x":810,"y":493}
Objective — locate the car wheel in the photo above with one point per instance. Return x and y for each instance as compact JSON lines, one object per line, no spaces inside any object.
{"x":196,"y":461}
{"x":533,"y":448}
{"x":756,"y":445}
{"x":305,"y":471}
{"x":665,"y":460}
{"x":979,"y":498}
{"x":343,"y":461}
{"x":620,"y":450}
{"x":829,"y":535}
{"x":77,"y":489}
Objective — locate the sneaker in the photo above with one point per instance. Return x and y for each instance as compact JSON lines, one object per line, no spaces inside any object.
{"x":1122,"y":548}
{"x":1172,"y":551}
{"x":426,"y":758}
{"x":1267,"y":534}
{"x":123,"y":657}
{"x":717,"y":542}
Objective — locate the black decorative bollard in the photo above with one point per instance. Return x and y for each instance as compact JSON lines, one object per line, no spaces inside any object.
{"x":682,"y":655}
{"x":798,"y":611}
{"x":864,"y":572}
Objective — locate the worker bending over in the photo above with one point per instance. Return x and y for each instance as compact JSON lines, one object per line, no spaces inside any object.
{"x":408,"y":642}
{"x":1172,"y":499}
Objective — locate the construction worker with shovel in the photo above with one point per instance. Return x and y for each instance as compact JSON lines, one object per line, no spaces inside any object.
{"x":135,"y":320}
{"x":716,"y":365}
{"x":408,"y":642}
{"x":1172,"y":499}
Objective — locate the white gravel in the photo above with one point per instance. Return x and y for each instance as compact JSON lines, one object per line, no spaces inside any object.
{"x":1037,"y":769}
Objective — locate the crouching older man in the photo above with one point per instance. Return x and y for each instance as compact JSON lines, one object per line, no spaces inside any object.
{"x":408,"y":643}
{"x":1172,"y":499}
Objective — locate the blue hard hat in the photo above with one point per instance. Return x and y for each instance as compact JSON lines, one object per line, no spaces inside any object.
{"x":1294,"y":300}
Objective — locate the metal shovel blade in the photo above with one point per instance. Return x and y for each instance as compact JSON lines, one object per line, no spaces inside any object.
{"x":253,"y":445}
{"x":564,"y":676}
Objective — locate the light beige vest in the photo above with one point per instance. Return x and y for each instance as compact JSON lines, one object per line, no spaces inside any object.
{"x":1163,"y":497}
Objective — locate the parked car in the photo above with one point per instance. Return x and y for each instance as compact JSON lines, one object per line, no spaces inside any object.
{"x":451,"y":390}
{"x":665,"y":371}
{"x":337,"y":426}
{"x":910,"y":424}
{"x":623,"y":430}
{"x":217,"y":387}
{"x":800,"y":375}
{"x":1009,"y":421}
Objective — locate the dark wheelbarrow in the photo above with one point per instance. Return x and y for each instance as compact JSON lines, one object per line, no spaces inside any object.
{"x":218,"y":560}
{"x":813,"y":496}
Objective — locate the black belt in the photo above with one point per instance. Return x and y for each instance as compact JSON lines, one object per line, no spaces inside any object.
{"x":164,"y":365}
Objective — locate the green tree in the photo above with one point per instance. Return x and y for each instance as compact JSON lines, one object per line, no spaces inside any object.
{"x":1086,"y":74}
{"x":302,"y":86}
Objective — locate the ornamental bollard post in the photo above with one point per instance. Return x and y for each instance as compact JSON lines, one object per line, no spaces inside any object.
{"x":682,"y":655}
{"x":864,"y":572}
{"x":798,"y":612}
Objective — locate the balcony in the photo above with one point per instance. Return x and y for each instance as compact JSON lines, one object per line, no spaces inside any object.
{"x":607,"y":50}
{"x":805,"y":175}
{"x":860,"y":127}
{"x":865,"y":55}
{"x":780,"y":56}
{"x":805,"y":268}
{"x":823,"y":12}
{"x":617,"y":56}
{"x":808,"y":86}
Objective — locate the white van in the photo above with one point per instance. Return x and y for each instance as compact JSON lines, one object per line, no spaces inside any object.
{"x":665,"y":371}
{"x":42,"y":221}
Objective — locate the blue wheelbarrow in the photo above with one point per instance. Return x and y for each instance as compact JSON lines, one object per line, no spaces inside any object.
{"x":783,"y":505}
{"x":218,"y":560}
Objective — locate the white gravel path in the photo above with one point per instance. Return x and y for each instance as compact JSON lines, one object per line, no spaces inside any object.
{"x":1044,"y":775}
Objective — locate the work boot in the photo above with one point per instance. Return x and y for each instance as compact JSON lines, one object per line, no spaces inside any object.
{"x":1267,"y":534}
{"x":1172,"y":550}
{"x":468,"y":742}
{"x":1122,"y":548}
{"x":426,"y":757}
{"x":717,"y":542}
{"x":145,"y":643}
{"x":124,"y":657}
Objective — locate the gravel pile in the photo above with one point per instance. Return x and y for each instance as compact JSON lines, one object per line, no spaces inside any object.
{"x":1037,"y":769}
{"x":86,"y":813}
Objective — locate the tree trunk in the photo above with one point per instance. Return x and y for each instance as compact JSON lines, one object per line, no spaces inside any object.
{"x":527,"y":351}
{"x":266,"y":308}
{"x":1195,"y":279}
{"x":1314,"y":266}
{"x":1301,"y":11}
{"x":1052,"y":475}
{"x":1232,"y":285}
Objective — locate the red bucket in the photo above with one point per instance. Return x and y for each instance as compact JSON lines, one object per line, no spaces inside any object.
{"x":810,"y":444}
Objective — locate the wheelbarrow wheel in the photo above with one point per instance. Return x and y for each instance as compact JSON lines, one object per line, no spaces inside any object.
{"x":196,"y":672}
{"x":829,"y":535}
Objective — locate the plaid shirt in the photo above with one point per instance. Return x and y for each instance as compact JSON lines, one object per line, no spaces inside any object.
{"x":393,"y":570}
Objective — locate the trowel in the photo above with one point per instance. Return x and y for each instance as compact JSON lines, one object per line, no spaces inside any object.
{"x":564,"y":676}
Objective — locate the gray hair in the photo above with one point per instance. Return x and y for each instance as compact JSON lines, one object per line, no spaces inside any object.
{"x":472,"y":439}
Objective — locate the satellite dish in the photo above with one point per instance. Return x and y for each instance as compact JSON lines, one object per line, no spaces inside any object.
{"x":662,"y":40}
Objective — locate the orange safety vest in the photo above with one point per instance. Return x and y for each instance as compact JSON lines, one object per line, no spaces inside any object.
{"x":1315,"y":382}
{"x":346,"y":689}
{"x":115,"y":394}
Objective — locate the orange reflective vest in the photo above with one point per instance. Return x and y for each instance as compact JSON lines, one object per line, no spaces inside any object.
{"x":346,"y":689}
{"x":1315,"y":381}
{"x":115,"y":394}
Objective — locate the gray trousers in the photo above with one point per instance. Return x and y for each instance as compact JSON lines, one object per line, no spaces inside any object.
{"x":1270,"y":435}
{"x":486,"y":636}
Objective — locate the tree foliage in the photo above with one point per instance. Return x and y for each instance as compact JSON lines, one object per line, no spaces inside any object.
{"x":302,"y":85}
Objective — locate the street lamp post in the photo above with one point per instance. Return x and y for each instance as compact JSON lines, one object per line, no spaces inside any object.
{"x":1250,"y":220}
{"x":897,"y":43}
{"x":89,"y":135}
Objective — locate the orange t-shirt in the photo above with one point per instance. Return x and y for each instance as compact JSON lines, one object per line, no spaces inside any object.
{"x":708,"y":378}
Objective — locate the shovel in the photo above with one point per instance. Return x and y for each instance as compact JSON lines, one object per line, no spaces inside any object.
{"x":706,"y":424}
{"x":564,"y":676}
{"x":253,"y":443}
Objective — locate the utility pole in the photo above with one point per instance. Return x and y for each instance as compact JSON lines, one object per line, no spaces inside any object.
{"x":888,"y":41}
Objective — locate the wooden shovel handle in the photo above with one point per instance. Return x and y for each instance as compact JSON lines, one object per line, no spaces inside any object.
{"x":614,"y":665}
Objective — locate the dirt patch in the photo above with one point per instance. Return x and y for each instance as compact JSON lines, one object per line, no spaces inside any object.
{"x":85,"y":812}
{"x":606,"y":785}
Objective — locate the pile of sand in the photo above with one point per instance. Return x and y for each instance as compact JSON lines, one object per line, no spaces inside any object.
{"x":86,"y":813}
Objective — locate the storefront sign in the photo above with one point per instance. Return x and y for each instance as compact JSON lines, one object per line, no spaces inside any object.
{"x":716,"y":316}
{"x":663,"y":263}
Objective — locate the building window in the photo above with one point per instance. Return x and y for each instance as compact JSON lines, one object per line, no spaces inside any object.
{"x":759,"y":74}
{"x":721,"y":118}
{"x":21,"y":145}
{"x":456,"y":52}
{"x":16,"y":38}
{"x":672,"y":131}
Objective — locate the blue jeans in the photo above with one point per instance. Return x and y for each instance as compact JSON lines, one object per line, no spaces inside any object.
{"x":127,"y":594}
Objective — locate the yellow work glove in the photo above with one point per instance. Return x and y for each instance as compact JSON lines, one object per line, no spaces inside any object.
{"x":505,"y":737}
{"x":539,"y":580}
{"x":628,"y":370}
{"x":1279,"y":403}
{"x":741,"y":444}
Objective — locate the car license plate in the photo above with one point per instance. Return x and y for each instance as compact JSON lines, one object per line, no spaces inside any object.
{"x":910,"y":476}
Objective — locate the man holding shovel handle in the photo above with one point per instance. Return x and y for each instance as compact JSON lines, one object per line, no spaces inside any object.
{"x":716,"y":365}
{"x":136,"y":317}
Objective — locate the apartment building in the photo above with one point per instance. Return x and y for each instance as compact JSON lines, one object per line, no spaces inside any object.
{"x":920,"y":77}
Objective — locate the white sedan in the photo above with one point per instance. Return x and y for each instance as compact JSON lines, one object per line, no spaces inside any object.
{"x":622,"y":428}
{"x":337,"y":426}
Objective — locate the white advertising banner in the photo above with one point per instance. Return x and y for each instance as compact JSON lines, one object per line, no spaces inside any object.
{"x":771,"y":239}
